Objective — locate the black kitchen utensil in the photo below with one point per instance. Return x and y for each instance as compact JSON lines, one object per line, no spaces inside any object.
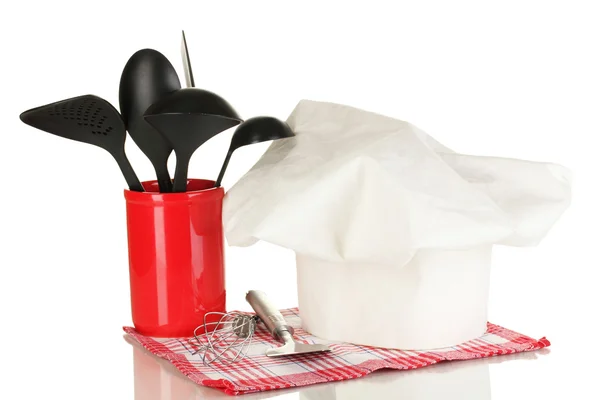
{"x":255,"y":130}
{"x":187,"y":118}
{"x":148,"y":77}
{"x":187,"y":65}
{"x":88,"y":119}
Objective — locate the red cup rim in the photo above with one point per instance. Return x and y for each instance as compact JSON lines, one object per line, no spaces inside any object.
{"x":130,"y":194}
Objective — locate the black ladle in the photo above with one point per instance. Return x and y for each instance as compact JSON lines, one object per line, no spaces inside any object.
{"x":88,"y":119}
{"x":147,"y":77}
{"x":255,"y":130}
{"x":188,"y":118}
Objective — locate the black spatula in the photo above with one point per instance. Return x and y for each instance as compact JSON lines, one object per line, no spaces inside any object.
{"x":88,"y":119}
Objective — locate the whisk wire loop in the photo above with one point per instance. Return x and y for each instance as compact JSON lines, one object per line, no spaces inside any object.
{"x":226,"y":340}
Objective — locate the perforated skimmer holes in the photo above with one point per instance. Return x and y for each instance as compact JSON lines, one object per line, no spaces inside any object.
{"x":85,"y":113}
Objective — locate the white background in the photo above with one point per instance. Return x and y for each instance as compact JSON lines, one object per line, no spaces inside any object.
{"x":515,"y":79}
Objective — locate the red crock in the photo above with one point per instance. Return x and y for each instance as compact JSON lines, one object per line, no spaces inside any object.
{"x":176,"y":257}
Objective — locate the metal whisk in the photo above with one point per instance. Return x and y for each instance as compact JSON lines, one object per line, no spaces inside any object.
{"x":227,"y":339}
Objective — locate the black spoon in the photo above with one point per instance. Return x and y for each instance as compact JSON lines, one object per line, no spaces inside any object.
{"x":88,"y":119}
{"x":255,"y":130}
{"x":188,"y":118}
{"x":148,"y":77}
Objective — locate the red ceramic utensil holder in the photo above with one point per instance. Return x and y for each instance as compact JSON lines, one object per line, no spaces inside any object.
{"x":176,"y":258}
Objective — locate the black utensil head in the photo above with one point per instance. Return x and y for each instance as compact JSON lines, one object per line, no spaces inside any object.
{"x":190,"y":116}
{"x":193,"y":101}
{"x":89,"y":119}
{"x":187,"y":131}
{"x":147,"y":77}
{"x":260,"y":129}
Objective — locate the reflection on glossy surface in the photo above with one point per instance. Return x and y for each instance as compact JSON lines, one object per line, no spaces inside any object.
{"x":156,"y":379}
{"x":458,"y":380}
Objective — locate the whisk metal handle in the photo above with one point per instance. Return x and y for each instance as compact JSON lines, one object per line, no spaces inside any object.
{"x":268,"y":313}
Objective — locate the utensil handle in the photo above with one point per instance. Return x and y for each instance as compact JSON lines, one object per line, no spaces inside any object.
{"x":181,"y":171}
{"x":223,"y":168}
{"x":268,"y":313}
{"x":164,"y":179}
{"x":130,"y":176}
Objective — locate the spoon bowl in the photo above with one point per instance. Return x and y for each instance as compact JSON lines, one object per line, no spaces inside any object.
{"x":255,"y":130}
{"x":147,"y":77}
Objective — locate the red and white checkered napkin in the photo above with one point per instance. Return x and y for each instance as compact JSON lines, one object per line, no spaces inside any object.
{"x":257,"y":372}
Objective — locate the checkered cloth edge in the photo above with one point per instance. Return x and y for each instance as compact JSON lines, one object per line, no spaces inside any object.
{"x":257,"y":372}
